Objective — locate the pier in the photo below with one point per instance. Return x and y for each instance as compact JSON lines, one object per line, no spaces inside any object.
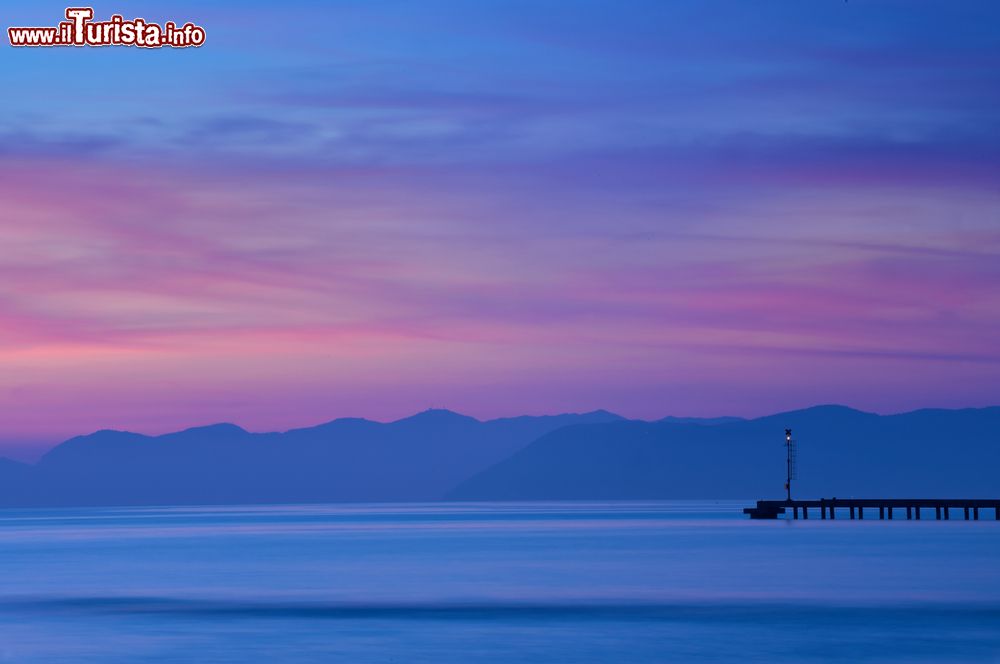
{"x":854,"y":508}
{"x":941,"y":509}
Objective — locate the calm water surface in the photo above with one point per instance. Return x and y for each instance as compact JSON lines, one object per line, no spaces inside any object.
{"x":540,"y":582}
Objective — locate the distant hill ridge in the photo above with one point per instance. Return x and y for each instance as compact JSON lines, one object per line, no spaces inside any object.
{"x":416,"y":458}
{"x":598,"y":455}
{"x":842,"y":452}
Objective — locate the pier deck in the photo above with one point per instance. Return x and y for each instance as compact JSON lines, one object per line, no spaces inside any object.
{"x":855,"y":507}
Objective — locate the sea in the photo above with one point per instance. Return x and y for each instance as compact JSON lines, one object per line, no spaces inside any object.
{"x":492,"y":582}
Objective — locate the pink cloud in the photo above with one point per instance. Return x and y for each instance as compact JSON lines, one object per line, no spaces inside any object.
{"x":151,"y":297}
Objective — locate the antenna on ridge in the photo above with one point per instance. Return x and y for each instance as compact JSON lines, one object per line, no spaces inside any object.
{"x":791,"y":467}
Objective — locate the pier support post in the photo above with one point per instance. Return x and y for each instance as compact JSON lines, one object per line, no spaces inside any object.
{"x":937,"y":512}
{"x":805,"y":512}
{"x":889,"y":511}
{"x":975,"y":513}
{"x":881,"y":512}
{"x":861,"y":512}
{"x":833,"y":513}
{"x":966,"y":513}
{"x":996,"y":512}
{"x":822,"y":512}
{"x":909,"y":512}
{"x":795,"y":511}
{"x":852,"y":511}
{"x":947,"y":513}
{"x":916,"y":509}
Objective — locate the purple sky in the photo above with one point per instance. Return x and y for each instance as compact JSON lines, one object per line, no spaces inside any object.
{"x":368,"y":209}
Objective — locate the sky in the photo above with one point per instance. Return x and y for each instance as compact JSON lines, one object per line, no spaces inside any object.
{"x":372,"y":208}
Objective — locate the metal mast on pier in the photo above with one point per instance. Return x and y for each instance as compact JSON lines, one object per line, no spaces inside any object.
{"x":789,"y":464}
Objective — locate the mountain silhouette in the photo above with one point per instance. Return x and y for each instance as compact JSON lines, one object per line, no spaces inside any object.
{"x":593,"y":456}
{"x":842,"y":452}
{"x":413,"y":459}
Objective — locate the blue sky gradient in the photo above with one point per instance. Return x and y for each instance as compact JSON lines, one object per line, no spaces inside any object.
{"x":340,"y":208}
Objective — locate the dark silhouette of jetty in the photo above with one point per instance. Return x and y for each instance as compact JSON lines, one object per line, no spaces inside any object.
{"x":771,"y":509}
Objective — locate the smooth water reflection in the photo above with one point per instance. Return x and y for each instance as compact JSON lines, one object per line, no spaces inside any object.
{"x":547,"y":582}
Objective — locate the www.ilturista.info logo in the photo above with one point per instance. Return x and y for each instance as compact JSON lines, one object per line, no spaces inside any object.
{"x":79,"y":29}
